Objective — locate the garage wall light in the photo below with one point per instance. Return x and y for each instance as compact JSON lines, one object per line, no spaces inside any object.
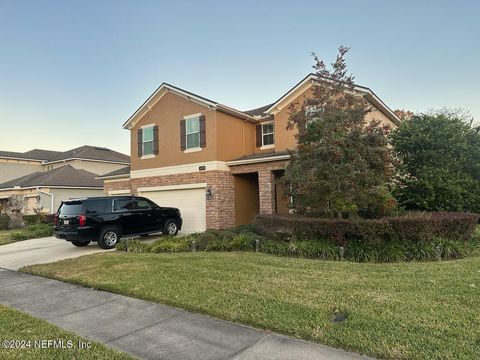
{"x":209,"y":194}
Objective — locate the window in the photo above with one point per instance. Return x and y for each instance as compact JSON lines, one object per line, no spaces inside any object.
{"x":192,"y":127}
{"x":267,"y":134}
{"x":124,"y":205}
{"x":147,"y":141}
{"x":143,"y":204}
{"x":96,"y":206}
{"x":71,"y":208}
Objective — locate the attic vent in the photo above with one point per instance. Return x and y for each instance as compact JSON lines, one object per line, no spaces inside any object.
{"x":101,"y":148}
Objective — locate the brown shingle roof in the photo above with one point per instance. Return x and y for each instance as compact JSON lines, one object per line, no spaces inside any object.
{"x":63,"y":176}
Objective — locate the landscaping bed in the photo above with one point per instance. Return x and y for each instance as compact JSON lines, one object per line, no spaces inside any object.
{"x":26,"y":329}
{"x":415,"y":310}
{"x":416,"y":239}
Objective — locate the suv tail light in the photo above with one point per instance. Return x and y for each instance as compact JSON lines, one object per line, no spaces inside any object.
{"x":82,"y":220}
{"x":55,"y":219}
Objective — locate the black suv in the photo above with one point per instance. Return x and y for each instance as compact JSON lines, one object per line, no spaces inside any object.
{"x":106,"y":219}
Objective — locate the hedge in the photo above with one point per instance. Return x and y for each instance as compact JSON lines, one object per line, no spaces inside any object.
{"x":38,"y":219}
{"x":412,"y":228}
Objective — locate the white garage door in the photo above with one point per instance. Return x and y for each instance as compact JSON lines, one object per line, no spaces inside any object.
{"x":191,"y":203}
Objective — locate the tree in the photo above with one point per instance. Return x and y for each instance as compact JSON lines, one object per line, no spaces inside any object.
{"x":441,"y":157}
{"x":342,"y":165}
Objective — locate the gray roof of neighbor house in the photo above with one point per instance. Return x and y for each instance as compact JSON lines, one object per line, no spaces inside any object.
{"x":123,"y":171}
{"x":82,"y":152}
{"x":36,"y":154}
{"x":259,"y":111}
{"x":65,"y":175}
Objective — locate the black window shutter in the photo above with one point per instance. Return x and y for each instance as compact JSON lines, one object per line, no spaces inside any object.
{"x":155,"y":140}
{"x":203,"y":137}
{"x":259,"y":135}
{"x":140,"y":142}
{"x":183,"y":135}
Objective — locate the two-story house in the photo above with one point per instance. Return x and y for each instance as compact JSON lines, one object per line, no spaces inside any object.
{"x":217,"y":164}
{"x":43,"y":178}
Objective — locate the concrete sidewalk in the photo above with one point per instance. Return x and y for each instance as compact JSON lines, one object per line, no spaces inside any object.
{"x":149,"y":330}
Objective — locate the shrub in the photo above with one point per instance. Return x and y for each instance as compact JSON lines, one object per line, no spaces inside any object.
{"x":239,"y":229}
{"x":38,"y":219}
{"x":137,"y":246}
{"x":204,"y":239}
{"x":392,"y":251}
{"x":31,"y":219}
{"x":450,"y":249}
{"x":215,"y":232}
{"x":422,"y":251}
{"x":226,"y":235}
{"x":33,"y":232}
{"x":415,"y":227}
{"x":4,"y":221}
{"x":243,"y":242}
{"x":318,"y":249}
{"x":218,"y":245}
{"x":360,"y":252}
{"x":280,"y":248}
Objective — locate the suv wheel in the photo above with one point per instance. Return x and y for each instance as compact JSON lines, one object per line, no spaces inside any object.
{"x":80,"y":243}
{"x":109,"y":237}
{"x":170,"y":227}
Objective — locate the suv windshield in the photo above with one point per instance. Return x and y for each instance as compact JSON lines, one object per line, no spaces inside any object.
{"x":71,"y":208}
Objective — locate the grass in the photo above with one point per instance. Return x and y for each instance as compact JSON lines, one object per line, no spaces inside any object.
{"x":5,"y":237}
{"x":15,"y":325}
{"x":410,"y":310}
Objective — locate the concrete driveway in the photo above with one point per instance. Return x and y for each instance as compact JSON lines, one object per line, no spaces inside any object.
{"x":39,"y":251}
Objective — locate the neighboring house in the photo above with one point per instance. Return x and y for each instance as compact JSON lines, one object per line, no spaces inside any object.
{"x":43,"y":178}
{"x":217,"y":164}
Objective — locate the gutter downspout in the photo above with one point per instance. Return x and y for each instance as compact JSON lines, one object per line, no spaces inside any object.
{"x":51,"y":196}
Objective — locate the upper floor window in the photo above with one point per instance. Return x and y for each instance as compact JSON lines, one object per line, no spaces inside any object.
{"x":192,"y":132}
{"x":268,"y":130}
{"x":147,"y":141}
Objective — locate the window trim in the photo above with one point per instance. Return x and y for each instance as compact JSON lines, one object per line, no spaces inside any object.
{"x":152,"y":155}
{"x":189,"y":118}
{"x":268,"y":146}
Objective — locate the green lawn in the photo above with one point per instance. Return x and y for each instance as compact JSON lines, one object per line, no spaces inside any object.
{"x":5,"y":237}
{"x":15,"y":325}
{"x":398,"y":311}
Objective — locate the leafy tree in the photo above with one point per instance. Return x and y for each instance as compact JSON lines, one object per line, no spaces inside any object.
{"x":441,"y":155}
{"x":343,"y":165}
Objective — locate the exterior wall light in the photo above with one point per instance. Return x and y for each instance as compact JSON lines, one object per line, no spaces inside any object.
{"x":209,"y":194}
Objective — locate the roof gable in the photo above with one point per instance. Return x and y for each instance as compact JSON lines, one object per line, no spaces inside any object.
{"x":310,"y":80}
{"x":165,"y":88}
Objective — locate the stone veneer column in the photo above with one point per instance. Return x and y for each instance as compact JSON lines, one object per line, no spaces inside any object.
{"x":266,"y":188}
{"x":221,"y":207}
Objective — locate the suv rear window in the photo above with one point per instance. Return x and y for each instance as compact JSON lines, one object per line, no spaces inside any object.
{"x":96,"y":206}
{"x":71,"y":208}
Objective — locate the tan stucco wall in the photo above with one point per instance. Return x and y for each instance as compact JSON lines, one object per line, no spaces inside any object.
{"x":12,"y":169}
{"x":96,"y":167}
{"x":167,"y":113}
{"x":235,"y":137}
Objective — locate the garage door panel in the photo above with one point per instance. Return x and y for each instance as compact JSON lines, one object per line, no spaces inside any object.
{"x":191,"y":203}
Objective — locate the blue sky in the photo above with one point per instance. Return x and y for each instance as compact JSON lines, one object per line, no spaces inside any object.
{"x":71,"y":72}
